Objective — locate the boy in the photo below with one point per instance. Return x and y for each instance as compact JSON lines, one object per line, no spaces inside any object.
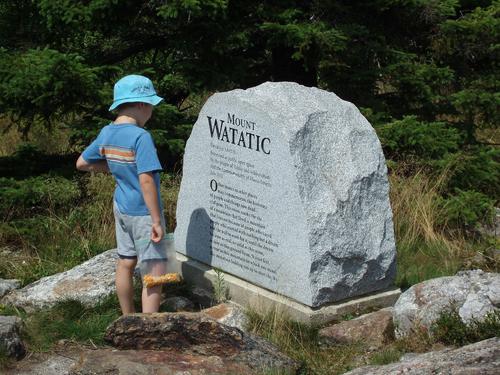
{"x":126,"y":150}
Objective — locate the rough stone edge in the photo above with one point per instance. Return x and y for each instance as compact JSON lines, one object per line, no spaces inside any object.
{"x":422,"y":363}
{"x":262,"y":300}
{"x":19,"y":297}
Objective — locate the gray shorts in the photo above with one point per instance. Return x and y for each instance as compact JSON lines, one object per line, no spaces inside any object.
{"x":133,"y":237}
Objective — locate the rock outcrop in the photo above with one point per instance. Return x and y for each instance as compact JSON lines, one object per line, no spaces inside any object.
{"x":10,"y":340}
{"x":88,"y":283}
{"x":478,"y":358}
{"x":177,"y":304}
{"x":229,"y":314}
{"x":39,"y":364}
{"x":472,"y":293}
{"x":156,"y":362}
{"x":195,"y":334}
{"x":6,"y":285}
{"x":374,"y":329}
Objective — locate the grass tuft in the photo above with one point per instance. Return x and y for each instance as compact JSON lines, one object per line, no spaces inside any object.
{"x":169,"y":189}
{"x":70,"y":320}
{"x":300,"y":342}
{"x":449,"y":329}
{"x":386,"y":356}
{"x":426,"y":246}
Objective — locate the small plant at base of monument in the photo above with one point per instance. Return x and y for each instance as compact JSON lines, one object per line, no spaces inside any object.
{"x":221,"y":291}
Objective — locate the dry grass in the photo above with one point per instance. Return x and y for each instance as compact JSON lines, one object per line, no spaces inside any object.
{"x":55,"y":141}
{"x":414,"y":202}
{"x":300,"y":342}
{"x":100,"y":188}
{"x":58,"y":240}
{"x":426,"y":247}
{"x":170,"y":185}
{"x":10,"y":138}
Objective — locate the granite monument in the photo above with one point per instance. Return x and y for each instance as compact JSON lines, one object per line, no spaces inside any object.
{"x":286,"y":187}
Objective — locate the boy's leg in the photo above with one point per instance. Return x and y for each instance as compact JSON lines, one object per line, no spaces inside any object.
{"x":125,"y":265}
{"x":125,"y":284}
{"x":151,"y":297}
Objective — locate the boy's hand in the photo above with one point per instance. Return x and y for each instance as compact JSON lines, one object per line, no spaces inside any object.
{"x":156,"y":233}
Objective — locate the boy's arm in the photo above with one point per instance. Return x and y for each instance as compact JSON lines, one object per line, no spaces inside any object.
{"x":150,"y":194}
{"x":98,"y":166}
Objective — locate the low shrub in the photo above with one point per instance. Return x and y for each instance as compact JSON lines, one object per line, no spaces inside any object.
{"x":410,"y":138}
{"x":29,"y":160}
{"x":478,"y":169}
{"x":386,"y":356}
{"x":467,"y":209}
{"x":449,"y":329}
{"x":46,"y":193}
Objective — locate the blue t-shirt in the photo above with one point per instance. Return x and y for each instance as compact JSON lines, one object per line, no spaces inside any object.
{"x":129,"y":151}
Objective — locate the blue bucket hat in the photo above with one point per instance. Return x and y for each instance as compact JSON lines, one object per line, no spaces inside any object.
{"x":134,"y":88}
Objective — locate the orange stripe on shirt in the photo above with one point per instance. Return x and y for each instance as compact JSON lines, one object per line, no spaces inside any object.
{"x":114,"y":151}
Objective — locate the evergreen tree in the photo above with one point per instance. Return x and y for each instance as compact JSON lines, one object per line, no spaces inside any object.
{"x":420,"y":69}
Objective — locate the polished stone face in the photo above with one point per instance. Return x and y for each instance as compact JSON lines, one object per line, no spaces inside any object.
{"x":286,"y":186}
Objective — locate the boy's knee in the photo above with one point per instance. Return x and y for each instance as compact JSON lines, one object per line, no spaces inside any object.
{"x":127,"y":264}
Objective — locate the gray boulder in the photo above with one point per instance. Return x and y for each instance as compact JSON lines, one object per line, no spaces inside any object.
{"x":6,"y":285}
{"x":202,"y":297}
{"x":228,"y":313}
{"x":88,"y":283}
{"x":177,"y":303}
{"x":473,"y":293}
{"x":10,"y":340}
{"x":478,"y":358}
{"x":374,"y":330}
{"x":42,"y":364}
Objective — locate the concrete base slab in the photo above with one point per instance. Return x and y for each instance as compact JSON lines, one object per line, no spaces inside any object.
{"x":262,"y":300}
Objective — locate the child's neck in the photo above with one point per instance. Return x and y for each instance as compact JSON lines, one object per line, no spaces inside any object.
{"x":125,"y":119}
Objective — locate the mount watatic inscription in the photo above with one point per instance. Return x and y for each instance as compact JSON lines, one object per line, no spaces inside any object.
{"x":286,"y":187}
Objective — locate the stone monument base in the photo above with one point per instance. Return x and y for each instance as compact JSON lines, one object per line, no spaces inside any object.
{"x":262,"y":300}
